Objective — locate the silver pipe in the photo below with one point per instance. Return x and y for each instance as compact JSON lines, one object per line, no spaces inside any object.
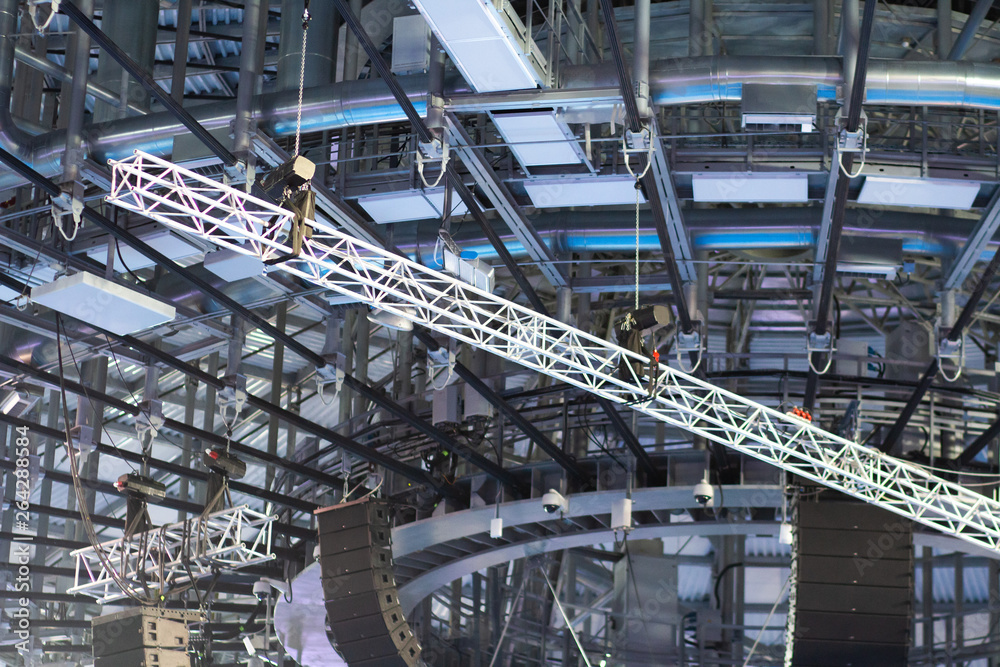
{"x":46,"y":66}
{"x":12,"y":138}
{"x":78,"y":98}
{"x":250,"y":72}
{"x":944,"y":36}
{"x":435,"y":96}
{"x":352,"y":49}
{"x":696,"y":29}
{"x":181,"y":41}
{"x":132,"y":25}
{"x":321,"y":46}
{"x":640,"y":49}
{"x":821,"y":27}
{"x":367,"y":101}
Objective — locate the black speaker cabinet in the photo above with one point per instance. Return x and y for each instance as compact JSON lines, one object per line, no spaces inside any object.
{"x":366,"y":621}
{"x":855,"y":586}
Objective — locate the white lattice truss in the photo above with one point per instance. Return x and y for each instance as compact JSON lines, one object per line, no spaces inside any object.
{"x":170,"y":556}
{"x":191,"y":203}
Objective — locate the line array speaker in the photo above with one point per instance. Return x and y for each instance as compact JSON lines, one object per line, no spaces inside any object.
{"x":142,"y":637}
{"x":854,"y":572}
{"x":366,"y":622}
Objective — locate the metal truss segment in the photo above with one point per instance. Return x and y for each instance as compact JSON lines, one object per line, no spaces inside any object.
{"x":332,"y":259}
{"x":161,"y":559}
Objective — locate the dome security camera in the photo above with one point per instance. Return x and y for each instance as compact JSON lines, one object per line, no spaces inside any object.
{"x":704,"y":494}
{"x":262,"y":587}
{"x":553,"y":502}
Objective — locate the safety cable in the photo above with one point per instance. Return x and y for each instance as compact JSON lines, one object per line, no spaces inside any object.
{"x":306,"y":18}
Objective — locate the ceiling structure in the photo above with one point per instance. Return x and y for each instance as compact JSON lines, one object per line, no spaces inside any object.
{"x":768,"y":244}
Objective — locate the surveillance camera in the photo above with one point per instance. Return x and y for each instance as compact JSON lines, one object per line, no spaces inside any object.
{"x":703,"y":493}
{"x":553,"y":502}
{"x":262,"y":587}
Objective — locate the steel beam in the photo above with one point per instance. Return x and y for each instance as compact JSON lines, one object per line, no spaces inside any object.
{"x":840,"y":166}
{"x":503,"y":201}
{"x":969,"y":30}
{"x":667,"y":193}
{"x":977,"y":242}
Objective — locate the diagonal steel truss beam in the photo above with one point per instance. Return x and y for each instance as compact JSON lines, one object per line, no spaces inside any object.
{"x":180,"y":199}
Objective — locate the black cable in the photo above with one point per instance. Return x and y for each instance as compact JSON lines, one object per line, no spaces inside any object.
{"x":118,"y":367}
{"x":98,"y":418}
{"x":718,"y":580}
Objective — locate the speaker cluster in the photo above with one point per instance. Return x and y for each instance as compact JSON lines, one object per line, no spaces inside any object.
{"x":367,"y":625}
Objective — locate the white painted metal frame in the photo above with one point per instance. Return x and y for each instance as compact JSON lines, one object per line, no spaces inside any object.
{"x":173,"y":555}
{"x":180,"y":199}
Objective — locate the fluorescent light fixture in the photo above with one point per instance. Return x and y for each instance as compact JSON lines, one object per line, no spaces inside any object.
{"x":743,"y":187}
{"x":232,"y":265}
{"x":918,"y":192}
{"x":102,"y":303}
{"x":589,"y":191}
{"x":162,"y":240}
{"x":390,"y":320}
{"x":10,"y":402}
{"x":410,"y":205}
{"x":538,"y":138}
{"x":486,"y":42}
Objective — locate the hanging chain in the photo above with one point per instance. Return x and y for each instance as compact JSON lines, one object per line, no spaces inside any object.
{"x":306,"y":17}
{"x":638,"y":187}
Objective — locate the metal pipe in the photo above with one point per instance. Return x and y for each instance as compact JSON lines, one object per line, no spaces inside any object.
{"x":179,"y":73}
{"x":250,"y":72}
{"x":366,"y":102}
{"x":78,"y":99}
{"x":821,"y":27}
{"x":146,"y":81}
{"x":15,"y":140}
{"x":969,"y":30}
{"x":640,"y":49}
{"x":696,"y":29}
{"x":46,"y":66}
{"x":321,"y":46}
{"x":132,"y":26}
{"x":944,"y":36}
{"x":435,"y":92}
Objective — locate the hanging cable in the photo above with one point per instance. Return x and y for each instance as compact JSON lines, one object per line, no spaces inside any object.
{"x":767,"y":621}
{"x":638,"y":189}
{"x":306,"y":18}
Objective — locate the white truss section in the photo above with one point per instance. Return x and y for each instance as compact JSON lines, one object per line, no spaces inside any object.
{"x":182,"y":200}
{"x":176,"y":554}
